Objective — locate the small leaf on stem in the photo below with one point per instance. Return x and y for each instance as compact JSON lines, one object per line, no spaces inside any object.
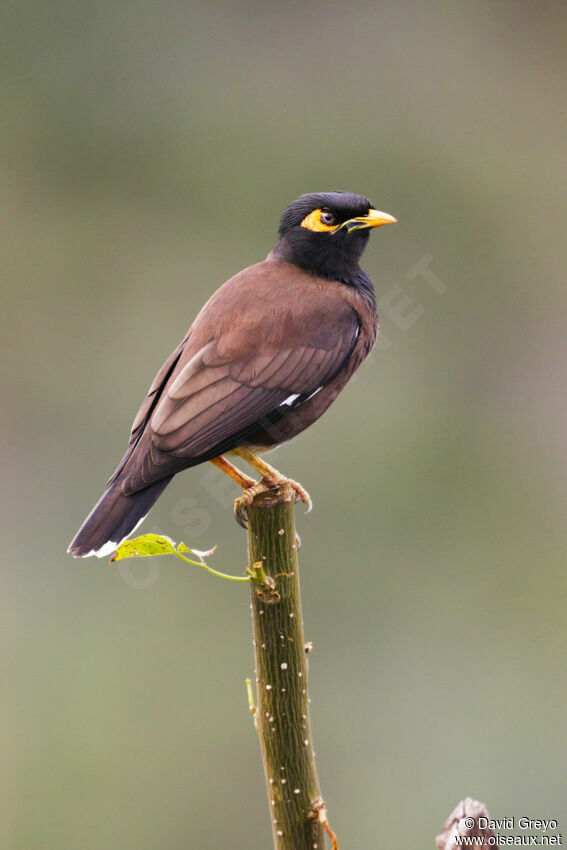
{"x":144,"y":546}
{"x":157,"y":544}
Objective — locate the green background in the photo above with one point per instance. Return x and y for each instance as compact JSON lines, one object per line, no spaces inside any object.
{"x":148,"y":151}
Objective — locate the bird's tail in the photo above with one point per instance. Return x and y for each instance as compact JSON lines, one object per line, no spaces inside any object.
{"x":113,"y":518}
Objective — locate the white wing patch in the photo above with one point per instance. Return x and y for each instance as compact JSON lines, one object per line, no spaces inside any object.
{"x":289,"y":400}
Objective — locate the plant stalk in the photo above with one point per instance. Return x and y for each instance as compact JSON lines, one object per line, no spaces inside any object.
{"x":281,"y":716}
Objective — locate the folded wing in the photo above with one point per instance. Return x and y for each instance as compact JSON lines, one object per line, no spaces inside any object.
{"x":208,"y":400}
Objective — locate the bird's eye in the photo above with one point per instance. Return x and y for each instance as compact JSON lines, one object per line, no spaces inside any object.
{"x":320,"y":221}
{"x":327,"y":217}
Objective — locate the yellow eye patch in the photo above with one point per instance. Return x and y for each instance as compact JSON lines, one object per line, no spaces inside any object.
{"x":313,"y":222}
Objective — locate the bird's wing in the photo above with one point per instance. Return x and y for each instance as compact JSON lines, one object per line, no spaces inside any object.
{"x":237,"y":373}
{"x":142,"y":417}
{"x":211,"y":399}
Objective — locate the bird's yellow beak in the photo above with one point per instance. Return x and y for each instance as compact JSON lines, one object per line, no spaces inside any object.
{"x":373,"y":218}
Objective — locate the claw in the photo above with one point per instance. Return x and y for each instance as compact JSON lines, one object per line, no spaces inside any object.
{"x":243,"y":502}
{"x":302,"y":495}
{"x":241,"y":509}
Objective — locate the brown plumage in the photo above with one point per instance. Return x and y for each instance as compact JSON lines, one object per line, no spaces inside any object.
{"x":265,"y":357}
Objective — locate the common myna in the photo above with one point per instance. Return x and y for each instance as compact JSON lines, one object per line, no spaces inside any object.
{"x":265,"y":357}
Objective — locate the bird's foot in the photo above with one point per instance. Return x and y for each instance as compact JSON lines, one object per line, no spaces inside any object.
{"x":267,"y":483}
{"x":301,"y":494}
{"x":243,"y":502}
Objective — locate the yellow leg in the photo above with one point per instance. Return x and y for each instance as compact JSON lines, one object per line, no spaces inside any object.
{"x":231,"y":470}
{"x":265,"y":470}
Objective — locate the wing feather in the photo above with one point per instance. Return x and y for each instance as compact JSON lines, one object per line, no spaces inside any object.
{"x":142,"y":417}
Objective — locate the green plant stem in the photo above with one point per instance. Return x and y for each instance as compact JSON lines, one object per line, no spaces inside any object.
{"x":282,"y":714}
{"x":210,"y":569}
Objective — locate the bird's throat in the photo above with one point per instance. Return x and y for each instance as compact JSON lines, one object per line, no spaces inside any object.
{"x":346,"y":271}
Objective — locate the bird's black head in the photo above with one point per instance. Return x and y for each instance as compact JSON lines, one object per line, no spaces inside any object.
{"x":326,"y":233}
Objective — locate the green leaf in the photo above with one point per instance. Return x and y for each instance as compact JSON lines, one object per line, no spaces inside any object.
{"x":156,"y":544}
{"x":144,"y":546}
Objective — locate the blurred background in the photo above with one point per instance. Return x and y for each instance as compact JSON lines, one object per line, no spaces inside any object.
{"x":148,"y":150}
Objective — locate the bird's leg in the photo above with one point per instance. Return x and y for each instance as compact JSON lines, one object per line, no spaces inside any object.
{"x":270,"y":478}
{"x":236,"y":474}
{"x":251,"y":488}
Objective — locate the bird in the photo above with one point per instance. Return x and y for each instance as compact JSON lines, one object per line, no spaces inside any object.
{"x":265,"y":357}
